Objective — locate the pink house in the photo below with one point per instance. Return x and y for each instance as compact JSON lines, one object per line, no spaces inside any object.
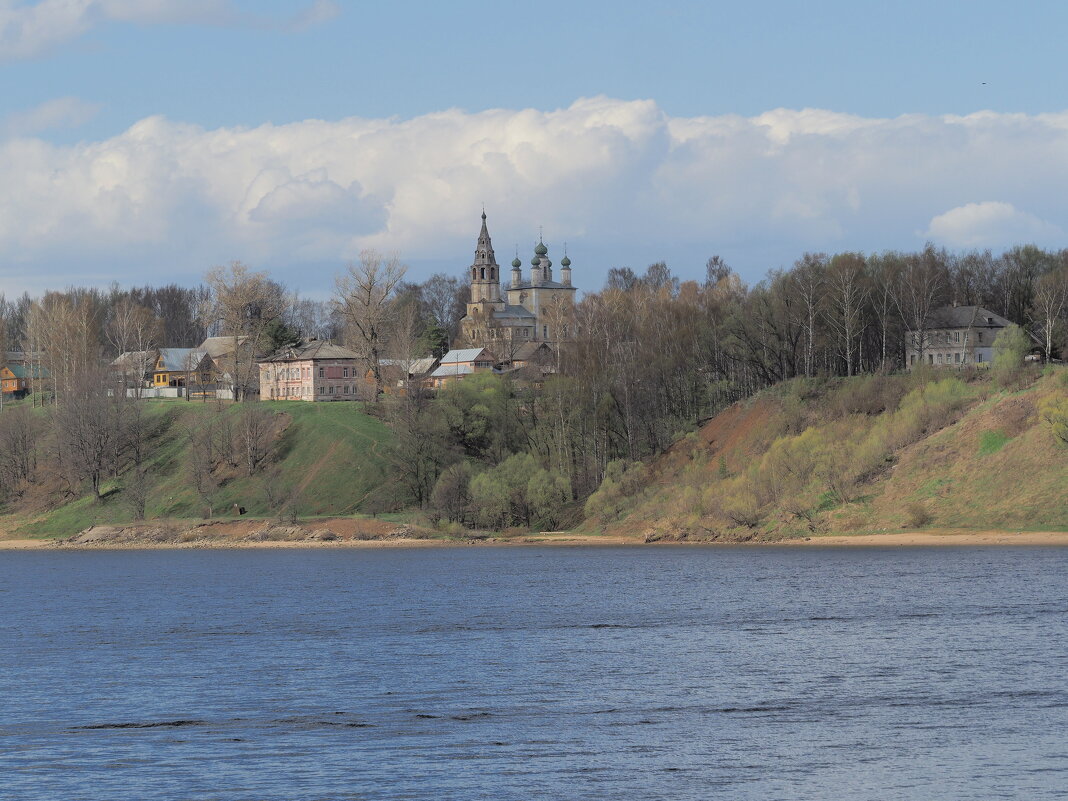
{"x":316,"y":370}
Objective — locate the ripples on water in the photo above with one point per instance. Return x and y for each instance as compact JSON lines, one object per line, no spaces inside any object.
{"x":490,"y":673}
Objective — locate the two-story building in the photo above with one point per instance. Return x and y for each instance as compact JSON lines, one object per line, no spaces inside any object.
{"x":316,"y":370}
{"x":955,"y":336}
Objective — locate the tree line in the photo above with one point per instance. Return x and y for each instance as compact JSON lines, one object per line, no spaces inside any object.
{"x":648,"y":358}
{"x":652,"y":356}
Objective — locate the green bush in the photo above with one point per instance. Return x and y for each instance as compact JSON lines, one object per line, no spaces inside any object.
{"x":1054,"y":412}
{"x":623,"y":481}
{"x":1010,"y":347}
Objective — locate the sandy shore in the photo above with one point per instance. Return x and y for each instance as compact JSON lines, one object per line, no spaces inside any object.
{"x":895,"y":539}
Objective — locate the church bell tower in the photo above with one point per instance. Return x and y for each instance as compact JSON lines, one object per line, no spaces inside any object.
{"x":485,"y":274}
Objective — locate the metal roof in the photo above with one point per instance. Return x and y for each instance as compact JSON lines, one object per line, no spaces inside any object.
{"x":178,"y":359}
{"x":462,"y":355}
{"x":446,"y":370}
{"x":315,"y":349}
{"x":966,"y":317}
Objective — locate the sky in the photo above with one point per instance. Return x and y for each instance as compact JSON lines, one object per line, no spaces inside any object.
{"x":144,"y":141}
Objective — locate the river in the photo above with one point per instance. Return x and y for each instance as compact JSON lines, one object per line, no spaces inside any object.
{"x":534,"y":673}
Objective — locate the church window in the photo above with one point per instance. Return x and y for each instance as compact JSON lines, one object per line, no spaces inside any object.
{"x":545,"y":332}
{"x":483,"y":272}
{"x":474,"y":273}
{"x":493,"y":272}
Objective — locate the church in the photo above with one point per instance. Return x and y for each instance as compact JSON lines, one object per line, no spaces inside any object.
{"x":526,"y":310}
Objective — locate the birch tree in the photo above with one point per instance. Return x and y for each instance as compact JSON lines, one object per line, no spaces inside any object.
{"x":1050,"y":301}
{"x":244,"y":305}
{"x":362,"y":296}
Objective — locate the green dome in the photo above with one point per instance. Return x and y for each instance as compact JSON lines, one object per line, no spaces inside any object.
{"x":565,"y":262}
{"x":541,"y":250}
{"x":516,"y":263}
{"x":535,"y":261}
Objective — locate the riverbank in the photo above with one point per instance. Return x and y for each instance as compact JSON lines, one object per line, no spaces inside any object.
{"x":909,"y":539}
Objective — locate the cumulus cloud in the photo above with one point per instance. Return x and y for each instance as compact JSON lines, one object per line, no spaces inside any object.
{"x":621,"y":181}
{"x":28,"y":30}
{"x":989,"y":223}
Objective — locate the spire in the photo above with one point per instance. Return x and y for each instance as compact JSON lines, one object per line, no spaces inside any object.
{"x":484,"y":249}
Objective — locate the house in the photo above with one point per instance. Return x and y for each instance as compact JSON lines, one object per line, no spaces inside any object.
{"x":180,"y":367}
{"x":134,"y":368}
{"x":459,"y":363}
{"x":534,"y":354}
{"x":400,"y":375}
{"x":316,"y":371}
{"x":530,"y":309}
{"x":234,"y":361}
{"x":16,"y":379}
{"x":955,"y":336}
{"x":530,"y":365}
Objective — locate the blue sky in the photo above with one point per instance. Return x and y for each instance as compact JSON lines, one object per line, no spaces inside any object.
{"x":148,"y":139}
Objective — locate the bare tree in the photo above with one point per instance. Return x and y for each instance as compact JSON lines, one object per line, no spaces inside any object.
{"x":845,"y":278}
{"x":135,"y":331}
{"x":445,"y":299}
{"x":245,"y":305}
{"x":919,"y":290}
{"x":254,"y":430}
{"x":1050,"y":301}
{"x":808,"y":278}
{"x":202,"y":460}
{"x":362,"y":296}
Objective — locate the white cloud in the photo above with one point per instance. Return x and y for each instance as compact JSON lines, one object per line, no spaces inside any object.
{"x":989,"y":223}
{"x":28,"y":30}
{"x":62,"y":112}
{"x":621,"y":181}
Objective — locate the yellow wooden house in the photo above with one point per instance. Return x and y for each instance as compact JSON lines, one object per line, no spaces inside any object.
{"x":177,"y":367}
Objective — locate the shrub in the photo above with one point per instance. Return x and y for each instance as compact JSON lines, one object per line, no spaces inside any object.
{"x":741,"y":507}
{"x":623,"y":480}
{"x":917,"y":515}
{"x":547,"y":494}
{"x":1010,"y":347}
{"x":500,"y":494}
{"x":451,"y":497}
{"x":1054,"y":412}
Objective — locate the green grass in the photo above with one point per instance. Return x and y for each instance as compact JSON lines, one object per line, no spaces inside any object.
{"x":991,"y":442}
{"x":330,"y":455}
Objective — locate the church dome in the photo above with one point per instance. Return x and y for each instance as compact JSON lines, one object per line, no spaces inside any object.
{"x":541,"y":250}
{"x":516,"y":263}
{"x":565,"y":262}
{"x":535,"y":261}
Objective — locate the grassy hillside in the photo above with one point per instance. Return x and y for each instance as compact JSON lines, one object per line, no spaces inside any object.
{"x":324,"y":459}
{"x":869,"y":454}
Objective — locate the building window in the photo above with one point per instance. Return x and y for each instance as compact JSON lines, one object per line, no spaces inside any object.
{"x":912,"y":359}
{"x":956,"y":358}
{"x":545,"y":332}
{"x":956,"y":336}
{"x":978,"y":358}
{"x":322,"y":372}
{"x":345,"y":372}
{"x":331,"y":390}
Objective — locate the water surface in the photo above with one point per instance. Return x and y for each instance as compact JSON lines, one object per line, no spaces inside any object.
{"x":541,"y":673}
